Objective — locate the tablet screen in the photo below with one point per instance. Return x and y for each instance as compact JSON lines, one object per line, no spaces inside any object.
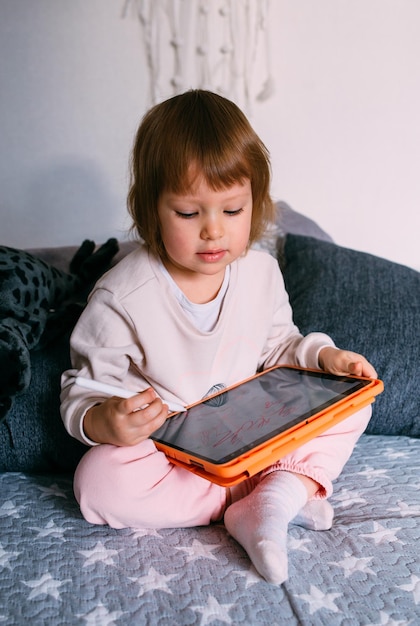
{"x":235,"y":421}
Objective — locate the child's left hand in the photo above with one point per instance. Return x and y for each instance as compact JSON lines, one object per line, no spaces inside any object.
{"x":344,"y":363}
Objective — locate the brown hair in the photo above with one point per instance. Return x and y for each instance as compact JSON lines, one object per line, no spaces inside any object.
{"x":201,"y":129}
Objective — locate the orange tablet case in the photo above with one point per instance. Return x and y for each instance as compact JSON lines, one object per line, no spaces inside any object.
{"x":252,"y":461}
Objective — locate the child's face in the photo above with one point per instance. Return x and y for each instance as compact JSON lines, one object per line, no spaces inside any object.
{"x":205,"y":230}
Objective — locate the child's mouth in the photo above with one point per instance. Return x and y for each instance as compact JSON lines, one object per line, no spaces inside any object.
{"x":212,"y":256}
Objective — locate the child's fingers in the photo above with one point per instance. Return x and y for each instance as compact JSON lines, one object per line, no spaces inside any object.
{"x":361,"y":367}
{"x":355,"y":368}
{"x":344,"y":362}
{"x":155,"y":411}
{"x":139,"y":401}
{"x":143,"y":414}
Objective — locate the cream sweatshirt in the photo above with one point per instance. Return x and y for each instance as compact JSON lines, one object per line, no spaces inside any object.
{"x":133,"y":333}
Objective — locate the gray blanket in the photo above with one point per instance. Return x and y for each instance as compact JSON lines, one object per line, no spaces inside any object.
{"x":57,"y":569}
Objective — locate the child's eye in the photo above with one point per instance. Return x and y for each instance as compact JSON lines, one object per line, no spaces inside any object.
{"x":184,"y":215}
{"x":234,"y":212}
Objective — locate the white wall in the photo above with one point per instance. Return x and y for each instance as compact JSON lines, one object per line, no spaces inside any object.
{"x":343,"y":127}
{"x":71,"y":93}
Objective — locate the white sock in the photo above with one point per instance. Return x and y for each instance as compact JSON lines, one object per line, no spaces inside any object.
{"x":315,"y":515}
{"x":259,"y":522}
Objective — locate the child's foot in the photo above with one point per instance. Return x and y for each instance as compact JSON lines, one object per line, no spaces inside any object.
{"x":315,"y":515}
{"x":259,"y":522}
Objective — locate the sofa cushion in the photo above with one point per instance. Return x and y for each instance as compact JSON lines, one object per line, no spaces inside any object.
{"x":291,"y":221}
{"x":32,"y":437}
{"x":366,"y":304}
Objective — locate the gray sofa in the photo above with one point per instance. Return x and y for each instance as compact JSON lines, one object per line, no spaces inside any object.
{"x":58,"y":569}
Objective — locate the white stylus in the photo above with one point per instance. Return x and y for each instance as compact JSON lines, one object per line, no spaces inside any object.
{"x":120,"y":392}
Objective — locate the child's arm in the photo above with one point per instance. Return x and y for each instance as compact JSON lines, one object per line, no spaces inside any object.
{"x":123,"y":422}
{"x":343,"y":362}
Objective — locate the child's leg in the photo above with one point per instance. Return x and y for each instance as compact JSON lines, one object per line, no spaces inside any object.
{"x":315,"y":515}
{"x":259,"y":521}
{"x":138,"y":487}
{"x":324,"y":457}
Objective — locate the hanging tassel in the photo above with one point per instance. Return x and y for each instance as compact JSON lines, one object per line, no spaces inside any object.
{"x":207,"y":47}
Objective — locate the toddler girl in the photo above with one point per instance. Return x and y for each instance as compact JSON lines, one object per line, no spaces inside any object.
{"x":191,"y":310}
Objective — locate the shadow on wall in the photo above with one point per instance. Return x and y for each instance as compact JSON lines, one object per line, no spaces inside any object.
{"x":63,"y":204}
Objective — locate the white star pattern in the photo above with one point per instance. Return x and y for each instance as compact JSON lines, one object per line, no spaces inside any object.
{"x":45,"y":585}
{"x":5,"y":557}
{"x":98,"y":554}
{"x":213,"y":610}
{"x":351,"y":564}
{"x":413,"y":586}
{"x":251,"y":576}
{"x":138,"y":533}
{"x":9,"y":509}
{"x":345,"y":498}
{"x":200,"y":550}
{"x":370,"y":472}
{"x":298,"y":544}
{"x":318,"y":600}
{"x":153,"y":581}
{"x":100,"y":616}
{"x":387,"y":621}
{"x":54,"y":490}
{"x":405,"y":509}
{"x":381,"y":534}
{"x":390,"y":453}
{"x":50,"y":530}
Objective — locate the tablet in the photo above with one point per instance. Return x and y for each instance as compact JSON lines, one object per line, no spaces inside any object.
{"x":241,"y":430}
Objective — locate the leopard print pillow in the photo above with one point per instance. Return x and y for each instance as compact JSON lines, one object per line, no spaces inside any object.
{"x":33,"y":293}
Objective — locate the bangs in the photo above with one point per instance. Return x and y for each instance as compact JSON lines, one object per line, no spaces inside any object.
{"x":219,"y":170}
{"x":208,"y":135}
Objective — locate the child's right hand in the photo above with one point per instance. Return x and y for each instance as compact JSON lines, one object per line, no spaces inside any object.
{"x":123,"y":422}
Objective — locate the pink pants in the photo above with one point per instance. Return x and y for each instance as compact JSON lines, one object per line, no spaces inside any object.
{"x":138,"y":487}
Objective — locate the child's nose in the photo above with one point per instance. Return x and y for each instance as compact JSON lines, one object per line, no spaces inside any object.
{"x":212,"y":229}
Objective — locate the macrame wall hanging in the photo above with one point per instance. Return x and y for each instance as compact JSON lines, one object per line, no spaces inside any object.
{"x":220,"y":45}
